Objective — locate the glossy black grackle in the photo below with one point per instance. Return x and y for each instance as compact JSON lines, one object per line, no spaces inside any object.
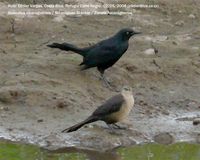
{"x":103,"y":54}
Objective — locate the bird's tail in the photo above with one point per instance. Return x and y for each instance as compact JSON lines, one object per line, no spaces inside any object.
{"x":79,"y":125}
{"x":68,"y":47}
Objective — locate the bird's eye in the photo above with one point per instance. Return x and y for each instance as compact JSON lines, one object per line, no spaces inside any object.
{"x":127,"y":33}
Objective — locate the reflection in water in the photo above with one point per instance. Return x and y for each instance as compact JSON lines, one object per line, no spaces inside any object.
{"x":104,"y":156}
{"x":180,"y":151}
{"x":91,"y":155}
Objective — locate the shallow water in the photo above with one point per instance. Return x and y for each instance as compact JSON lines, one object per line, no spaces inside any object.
{"x":179,"y":151}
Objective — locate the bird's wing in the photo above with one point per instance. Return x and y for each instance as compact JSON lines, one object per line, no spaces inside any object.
{"x":102,"y":53}
{"x":110,"y":106}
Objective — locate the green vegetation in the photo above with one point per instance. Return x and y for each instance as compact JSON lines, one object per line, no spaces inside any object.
{"x":180,"y":151}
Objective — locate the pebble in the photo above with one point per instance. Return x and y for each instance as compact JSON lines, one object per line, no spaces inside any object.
{"x":195,"y":48}
{"x":196,"y":121}
{"x":192,"y":16}
{"x":164,"y":138}
{"x":61,"y":104}
{"x":40,"y":120}
{"x":161,"y":38}
{"x":198,"y":138}
{"x":165,"y":112}
{"x":156,"y":38}
{"x":180,"y":11}
{"x":59,"y":18}
{"x":175,"y":43}
{"x":149,"y":51}
{"x":179,"y":23}
{"x":4,"y":108}
{"x":147,"y":38}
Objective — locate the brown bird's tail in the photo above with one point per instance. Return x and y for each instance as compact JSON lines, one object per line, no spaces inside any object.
{"x":79,"y":125}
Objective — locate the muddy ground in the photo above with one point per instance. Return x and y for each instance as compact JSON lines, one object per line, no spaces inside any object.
{"x":43,"y":91}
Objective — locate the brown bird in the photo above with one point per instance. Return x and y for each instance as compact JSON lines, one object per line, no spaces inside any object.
{"x":115,"y":109}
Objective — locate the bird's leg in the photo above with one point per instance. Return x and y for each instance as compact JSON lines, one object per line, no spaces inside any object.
{"x":110,"y":127}
{"x":113,"y":131}
{"x":103,"y":77}
{"x":105,"y":81}
{"x":119,"y":127}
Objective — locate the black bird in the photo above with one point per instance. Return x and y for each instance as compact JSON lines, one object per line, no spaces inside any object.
{"x":103,"y":54}
{"x":115,"y":109}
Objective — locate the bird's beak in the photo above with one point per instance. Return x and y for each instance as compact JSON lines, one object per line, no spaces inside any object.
{"x":136,"y":33}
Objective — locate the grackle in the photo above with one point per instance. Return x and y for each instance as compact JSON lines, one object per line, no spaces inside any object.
{"x":115,"y":109}
{"x":103,"y":54}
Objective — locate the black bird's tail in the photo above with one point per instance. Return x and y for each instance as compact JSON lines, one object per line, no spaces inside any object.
{"x":68,"y":47}
{"x":79,"y":125}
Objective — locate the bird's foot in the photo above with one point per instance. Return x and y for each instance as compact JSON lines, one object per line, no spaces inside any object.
{"x":108,"y":84}
{"x":112,"y":130}
{"x":115,"y":132}
{"x":119,"y":127}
